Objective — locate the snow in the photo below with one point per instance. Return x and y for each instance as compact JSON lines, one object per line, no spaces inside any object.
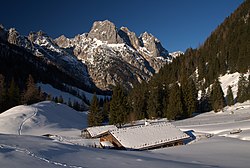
{"x":144,"y":136}
{"x":66,"y":149}
{"x":232,"y":80}
{"x":47,"y":88}
{"x":42,"y":118}
{"x":95,"y":131}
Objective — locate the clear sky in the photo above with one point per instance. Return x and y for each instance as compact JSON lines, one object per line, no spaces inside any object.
{"x":178,"y":24}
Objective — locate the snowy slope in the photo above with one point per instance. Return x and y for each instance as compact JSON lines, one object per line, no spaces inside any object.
{"x":232,"y":80}
{"x":222,"y":150}
{"x":47,"y":88}
{"x":41,"y":118}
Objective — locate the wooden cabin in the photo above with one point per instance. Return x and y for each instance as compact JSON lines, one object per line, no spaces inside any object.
{"x":145,"y":137}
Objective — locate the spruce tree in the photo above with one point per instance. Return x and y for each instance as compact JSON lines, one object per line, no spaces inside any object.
{"x":190,"y":95}
{"x":95,"y":117}
{"x":13,"y":95}
{"x":230,"y":96}
{"x":175,"y":106}
{"x":138,"y":102}
{"x":118,"y":106}
{"x":2,"y":93}
{"x":69,"y":103}
{"x":155,"y":101}
{"x":105,"y":109}
{"x":242,"y":89}
{"x":60,"y":99}
{"x":217,"y":96}
{"x":32,"y":93}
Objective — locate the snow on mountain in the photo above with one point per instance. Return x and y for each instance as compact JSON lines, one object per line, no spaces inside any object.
{"x":226,"y":80}
{"x":176,"y":54}
{"x":41,"y":118}
{"x":116,"y":55}
{"x":47,"y":88}
{"x":232,"y":80}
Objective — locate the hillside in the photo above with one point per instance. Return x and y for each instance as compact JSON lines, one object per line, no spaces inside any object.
{"x":189,"y":83}
{"x":41,"y":118}
{"x":221,"y":149}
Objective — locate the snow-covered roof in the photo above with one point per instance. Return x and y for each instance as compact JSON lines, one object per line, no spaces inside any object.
{"x":98,"y":130}
{"x":145,"y":136}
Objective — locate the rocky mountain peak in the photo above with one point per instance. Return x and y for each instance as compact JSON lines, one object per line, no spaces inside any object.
{"x":105,"y":31}
{"x":116,"y":55}
{"x":13,"y":36}
{"x":129,"y":37}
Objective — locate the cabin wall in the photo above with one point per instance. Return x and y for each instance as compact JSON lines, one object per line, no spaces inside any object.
{"x":109,"y":137}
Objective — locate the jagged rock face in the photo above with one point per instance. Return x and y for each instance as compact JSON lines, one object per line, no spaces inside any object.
{"x":129,"y":37}
{"x":41,"y":45}
{"x":117,"y":55}
{"x":105,"y":31}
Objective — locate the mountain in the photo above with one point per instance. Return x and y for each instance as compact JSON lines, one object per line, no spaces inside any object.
{"x":116,"y":56}
{"x":38,"y":55}
{"x":187,"y":84}
{"x":103,"y":57}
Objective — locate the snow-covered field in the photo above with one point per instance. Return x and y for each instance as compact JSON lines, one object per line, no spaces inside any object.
{"x":21,"y":143}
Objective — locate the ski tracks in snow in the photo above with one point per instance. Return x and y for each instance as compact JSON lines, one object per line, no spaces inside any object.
{"x":27,"y":118}
{"x":31,"y":154}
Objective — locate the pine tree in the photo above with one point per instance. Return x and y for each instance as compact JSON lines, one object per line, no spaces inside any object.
{"x":105,"y":109}
{"x":217,"y":96}
{"x":230,"y":96}
{"x":175,"y":106}
{"x":138,"y":102}
{"x":95,"y":117}
{"x":204,"y":102}
{"x":242,"y":89}
{"x":76,"y":105}
{"x":118,"y":107}
{"x":2,"y":93}
{"x":190,"y":95}
{"x":70,"y":103}
{"x":13,"y":95}
{"x":32,"y":94}
{"x":155,"y":101}
{"x":248,"y":88}
{"x":60,"y":99}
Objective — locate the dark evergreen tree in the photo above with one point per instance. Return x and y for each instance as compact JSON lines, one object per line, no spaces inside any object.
{"x":204,"y":102}
{"x":32,"y":93}
{"x":242,"y":89}
{"x":105,"y":109}
{"x":95,"y":117}
{"x":248,"y":88}
{"x":190,"y":95}
{"x":13,"y":95}
{"x":70,"y":103}
{"x":155,"y":101}
{"x":118,"y":106}
{"x":175,"y":106}
{"x":76,"y":105}
{"x":217,"y":96}
{"x":2,"y":94}
{"x":230,"y":96}
{"x":60,"y":99}
{"x":138,"y":102}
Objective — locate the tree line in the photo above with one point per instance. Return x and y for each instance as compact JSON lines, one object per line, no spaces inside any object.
{"x":174,"y":101}
{"x":12,"y":94}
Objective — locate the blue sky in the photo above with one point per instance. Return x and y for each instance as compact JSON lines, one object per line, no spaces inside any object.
{"x":178,"y":24}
